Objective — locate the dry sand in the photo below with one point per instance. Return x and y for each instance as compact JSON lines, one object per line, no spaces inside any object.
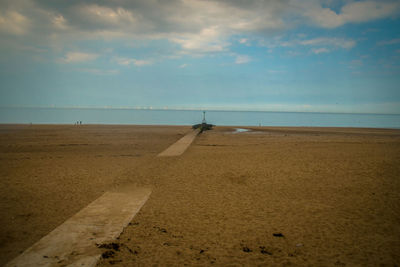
{"x":332,"y":193}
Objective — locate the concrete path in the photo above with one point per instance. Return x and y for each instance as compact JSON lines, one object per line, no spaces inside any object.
{"x":74,"y":242}
{"x":180,"y":146}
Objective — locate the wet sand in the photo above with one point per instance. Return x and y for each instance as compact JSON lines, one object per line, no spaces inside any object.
{"x":271,"y":196}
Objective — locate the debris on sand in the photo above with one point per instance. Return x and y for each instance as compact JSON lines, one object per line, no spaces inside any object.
{"x":264,"y":251}
{"x":114,"y":261}
{"x":111,"y":248}
{"x":278,"y":235}
{"x":246,"y":249}
{"x":108,"y":254}
{"x":114,"y":246}
{"x":162,"y":230}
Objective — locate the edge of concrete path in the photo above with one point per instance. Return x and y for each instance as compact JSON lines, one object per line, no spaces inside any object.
{"x":74,"y":243}
{"x":180,"y":146}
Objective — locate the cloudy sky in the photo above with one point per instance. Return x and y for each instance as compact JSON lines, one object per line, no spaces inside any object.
{"x":279,"y":55}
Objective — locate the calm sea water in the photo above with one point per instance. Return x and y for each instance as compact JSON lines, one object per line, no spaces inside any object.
{"x":189,"y":117}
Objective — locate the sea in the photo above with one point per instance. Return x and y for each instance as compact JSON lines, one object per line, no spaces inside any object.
{"x":16,"y":115}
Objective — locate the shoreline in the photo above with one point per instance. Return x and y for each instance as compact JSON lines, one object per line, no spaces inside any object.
{"x":189,"y":125}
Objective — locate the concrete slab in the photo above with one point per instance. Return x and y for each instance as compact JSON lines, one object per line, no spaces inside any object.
{"x":73,"y":243}
{"x":180,"y":146}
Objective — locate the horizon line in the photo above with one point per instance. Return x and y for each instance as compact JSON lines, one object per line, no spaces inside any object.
{"x":192,"y":109}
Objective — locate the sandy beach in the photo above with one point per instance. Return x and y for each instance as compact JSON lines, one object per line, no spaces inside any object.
{"x":269,"y":197}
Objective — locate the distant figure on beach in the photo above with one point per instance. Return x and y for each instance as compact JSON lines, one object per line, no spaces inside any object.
{"x":80,"y":122}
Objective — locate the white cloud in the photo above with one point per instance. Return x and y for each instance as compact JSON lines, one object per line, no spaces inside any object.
{"x":319,"y":45}
{"x":335,"y":42}
{"x":355,"y":63}
{"x":129,"y":61}
{"x":196,"y":27}
{"x":59,"y":22}
{"x":276,"y":71}
{"x":369,"y":10}
{"x":13,"y":22}
{"x":390,"y":42}
{"x":327,"y":42}
{"x":320,"y":50}
{"x":352,"y":12}
{"x":183,"y":66}
{"x":100,"y":71}
{"x":142,"y":62}
{"x":229,"y":15}
{"x":78,"y":57}
{"x":323,"y":17}
{"x":242,"y":59}
{"x":206,"y":41}
{"x":104,"y":15}
{"x":124,"y":61}
{"x":294,"y":53}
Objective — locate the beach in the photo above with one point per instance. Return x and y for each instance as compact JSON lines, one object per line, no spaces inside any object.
{"x":269,"y":196}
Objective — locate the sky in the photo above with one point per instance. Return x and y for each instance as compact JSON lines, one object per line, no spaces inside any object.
{"x":273,"y":55}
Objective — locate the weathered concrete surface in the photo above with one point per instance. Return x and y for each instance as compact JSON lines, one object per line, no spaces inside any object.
{"x":74,"y":242}
{"x":181,"y":145}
